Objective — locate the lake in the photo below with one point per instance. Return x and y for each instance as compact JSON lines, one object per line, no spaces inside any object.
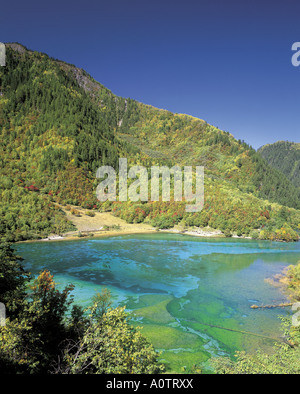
{"x":191,"y":295}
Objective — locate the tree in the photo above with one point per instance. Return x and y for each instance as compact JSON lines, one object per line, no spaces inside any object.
{"x":110,"y":345}
{"x":48,"y":308}
{"x":32,"y":336}
{"x":13,"y":280}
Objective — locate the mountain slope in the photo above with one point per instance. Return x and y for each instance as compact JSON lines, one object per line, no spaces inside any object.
{"x":285,"y":157}
{"x":191,"y":141}
{"x":58,"y":125}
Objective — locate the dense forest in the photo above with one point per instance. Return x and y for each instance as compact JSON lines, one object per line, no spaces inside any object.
{"x":285,"y":157}
{"x":58,"y":125}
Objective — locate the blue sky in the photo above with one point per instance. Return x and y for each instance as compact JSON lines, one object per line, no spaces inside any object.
{"x":227,"y":62}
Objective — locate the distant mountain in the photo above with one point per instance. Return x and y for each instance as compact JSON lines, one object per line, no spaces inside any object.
{"x":285,"y":157}
{"x":58,"y":125}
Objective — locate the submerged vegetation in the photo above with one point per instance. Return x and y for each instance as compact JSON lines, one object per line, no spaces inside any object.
{"x":285,"y":358}
{"x":47,"y":332}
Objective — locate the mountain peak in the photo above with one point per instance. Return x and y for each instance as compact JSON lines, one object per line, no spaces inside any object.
{"x":16,"y":46}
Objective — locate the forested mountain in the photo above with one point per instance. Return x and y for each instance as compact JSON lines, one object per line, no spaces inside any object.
{"x":58,"y":125}
{"x":285,"y":157}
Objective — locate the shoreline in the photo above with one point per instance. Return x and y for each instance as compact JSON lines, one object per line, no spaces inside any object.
{"x":90,"y":234}
{"x":104,"y":224}
{"x":93,"y":235}
{"x":112,"y":233}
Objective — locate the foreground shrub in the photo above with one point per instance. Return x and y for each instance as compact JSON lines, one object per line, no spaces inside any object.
{"x":110,"y":345}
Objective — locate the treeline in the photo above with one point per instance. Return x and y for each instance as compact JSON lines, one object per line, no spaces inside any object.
{"x":225,"y":209}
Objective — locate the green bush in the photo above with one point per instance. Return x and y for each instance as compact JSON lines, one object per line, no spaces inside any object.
{"x":90,"y":213}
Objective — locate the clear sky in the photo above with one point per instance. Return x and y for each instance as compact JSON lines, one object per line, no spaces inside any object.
{"x":225,"y":61}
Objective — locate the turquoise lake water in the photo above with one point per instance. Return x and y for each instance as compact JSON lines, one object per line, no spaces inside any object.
{"x":191,"y":295}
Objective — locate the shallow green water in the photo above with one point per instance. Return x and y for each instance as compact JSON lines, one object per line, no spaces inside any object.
{"x":192,"y":296}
